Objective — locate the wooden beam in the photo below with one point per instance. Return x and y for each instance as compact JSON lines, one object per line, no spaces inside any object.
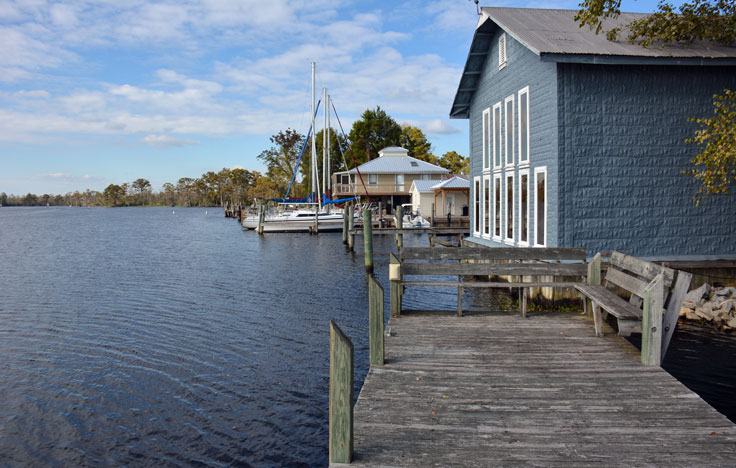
{"x":496,"y":253}
{"x":677,"y":295}
{"x":498,"y":269}
{"x":375,"y":319}
{"x":341,"y":396}
{"x":394,"y":275}
{"x":651,"y":327}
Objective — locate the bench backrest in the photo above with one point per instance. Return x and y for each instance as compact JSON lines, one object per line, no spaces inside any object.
{"x":633,"y":275}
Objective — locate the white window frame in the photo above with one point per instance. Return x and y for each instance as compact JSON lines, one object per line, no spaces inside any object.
{"x":537,"y":171}
{"x":506,"y":239}
{"x":502,"y":56}
{"x":522,"y":243}
{"x":372,"y":179}
{"x":509,"y":148}
{"x":497,"y":183}
{"x":477,"y":210}
{"x":487,"y":220}
{"x":486,"y":124}
{"x":497,"y":139}
{"x":524,"y":91}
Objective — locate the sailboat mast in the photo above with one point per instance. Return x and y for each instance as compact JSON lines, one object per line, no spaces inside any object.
{"x":329,"y":165}
{"x":324,"y":145}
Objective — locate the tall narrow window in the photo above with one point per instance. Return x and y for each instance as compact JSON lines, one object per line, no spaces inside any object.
{"x":524,"y":207}
{"x":509,"y":103}
{"x":502,"y":51}
{"x":486,"y":138}
{"x":540,"y":206}
{"x":497,"y":207}
{"x":509,"y":208}
{"x":476,"y":207}
{"x":399,"y":182}
{"x":372,"y":179}
{"x":497,"y":135}
{"x":487,"y":206}
{"x":524,"y":126}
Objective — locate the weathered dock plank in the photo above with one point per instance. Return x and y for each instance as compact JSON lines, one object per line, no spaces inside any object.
{"x":498,"y":390}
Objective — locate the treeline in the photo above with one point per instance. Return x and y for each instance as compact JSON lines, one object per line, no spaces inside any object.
{"x":234,"y":186}
{"x":374,"y":131}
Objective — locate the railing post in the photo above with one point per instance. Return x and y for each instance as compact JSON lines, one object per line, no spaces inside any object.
{"x":368,"y":240}
{"x":341,"y":396}
{"x":375,"y":319}
{"x":394,"y":275}
{"x":651,"y":325}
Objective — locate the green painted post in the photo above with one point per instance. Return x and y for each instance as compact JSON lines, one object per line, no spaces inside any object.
{"x":375,"y":319}
{"x":651,"y":323}
{"x":399,"y":225}
{"x":368,"y":240}
{"x":394,"y":275}
{"x":341,"y":396}
{"x":345,"y":224}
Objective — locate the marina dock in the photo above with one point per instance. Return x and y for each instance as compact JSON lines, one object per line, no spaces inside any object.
{"x":494,"y":389}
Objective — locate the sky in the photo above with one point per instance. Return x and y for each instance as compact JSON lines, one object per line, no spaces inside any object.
{"x":108,"y":91}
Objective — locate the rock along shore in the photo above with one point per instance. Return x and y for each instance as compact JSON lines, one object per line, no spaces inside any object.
{"x":716,"y":306}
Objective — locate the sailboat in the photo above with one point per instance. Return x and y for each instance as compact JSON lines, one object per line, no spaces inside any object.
{"x":304,"y":219}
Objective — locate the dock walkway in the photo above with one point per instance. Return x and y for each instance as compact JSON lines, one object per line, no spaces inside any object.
{"x":494,"y":389}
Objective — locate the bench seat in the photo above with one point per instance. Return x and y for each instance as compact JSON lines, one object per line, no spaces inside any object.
{"x":610,"y":302}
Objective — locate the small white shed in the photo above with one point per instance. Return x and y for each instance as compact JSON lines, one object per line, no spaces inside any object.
{"x":422,"y":197}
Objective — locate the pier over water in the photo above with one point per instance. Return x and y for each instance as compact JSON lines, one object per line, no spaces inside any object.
{"x":494,"y":389}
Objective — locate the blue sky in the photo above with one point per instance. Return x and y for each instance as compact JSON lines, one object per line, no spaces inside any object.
{"x":100,"y":92}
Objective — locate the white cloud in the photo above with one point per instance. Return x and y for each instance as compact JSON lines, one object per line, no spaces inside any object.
{"x":439,"y":127}
{"x":165,"y":140}
{"x":36,"y":93}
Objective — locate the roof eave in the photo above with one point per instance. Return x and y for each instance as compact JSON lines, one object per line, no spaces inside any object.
{"x":634,"y":60}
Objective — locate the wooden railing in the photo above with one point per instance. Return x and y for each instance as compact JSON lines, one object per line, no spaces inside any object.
{"x":371,"y":189}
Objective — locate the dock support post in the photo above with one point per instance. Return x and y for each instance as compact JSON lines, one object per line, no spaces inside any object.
{"x":394,"y":275}
{"x":431,"y":239}
{"x":341,"y":396}
{"x":375,"y":320}
{"x":351,"y":227}
{"x":315,"y":230}
{"x":399,"y":226}
{"x":261,"y":218}
{"x":380,"y":214}
{"x":368,"y":240}
{"x":345,"y":225}
{"x":431,"y":218}
{"x":651,"y":323}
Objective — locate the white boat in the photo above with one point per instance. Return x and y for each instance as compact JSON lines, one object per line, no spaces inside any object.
{"x":410,"y":221}
{"x":296,"y":221}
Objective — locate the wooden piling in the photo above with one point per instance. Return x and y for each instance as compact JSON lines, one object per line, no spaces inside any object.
{"x":399,"y":225}
{"x":375,"y":319}
{"x":394,"y":275}
{"x":351,"y":226}
{"x":380,"y":214}
{"x":261,"y":218}
{"x":368,"y":240}
{"x":651,"y":323}
{"x":315,"y":229}
{"x":345,"y":224}
{"x":341,"y":396}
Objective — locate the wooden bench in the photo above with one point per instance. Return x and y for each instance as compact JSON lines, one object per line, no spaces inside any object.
{"x":649,"y":287}
{"x":487,"y":262}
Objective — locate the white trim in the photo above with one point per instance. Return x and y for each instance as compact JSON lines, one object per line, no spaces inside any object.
{"x":477,"y":210}
{"x":509,"y":158}
{"x":499,"y":224}
{"x":524,"y":91}
{"x":537,"y":171}
{"x":486,"y":206}
{"x":502,"y":56}
{"x":497,"y":137}
{"x":509,"y":203}
{"x":486,"y":124}
{"x":522,"y":173}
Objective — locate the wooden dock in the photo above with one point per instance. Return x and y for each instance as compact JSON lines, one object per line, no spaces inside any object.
{"x":495,"y":389}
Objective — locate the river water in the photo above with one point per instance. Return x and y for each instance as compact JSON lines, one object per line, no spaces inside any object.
{"x":160,"y":337}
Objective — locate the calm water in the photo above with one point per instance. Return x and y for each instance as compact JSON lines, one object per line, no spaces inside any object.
{"x":135,"y":336}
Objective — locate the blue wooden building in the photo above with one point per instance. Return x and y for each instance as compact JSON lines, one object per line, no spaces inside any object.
{"x":579,"y":141}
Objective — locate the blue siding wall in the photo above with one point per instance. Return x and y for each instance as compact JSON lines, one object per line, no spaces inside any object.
{"x":621,"y":146}
{"x":524,"y":69}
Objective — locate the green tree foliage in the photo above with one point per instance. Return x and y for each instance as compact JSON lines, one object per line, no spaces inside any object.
{"x":414,"y":140}
{"x":715,"y":165}
{"x":374,"y":131}
{"x":708,"y":20}
{"x":455,"y":163}
{"x":114,"y":195}
{"x":281,"y":158}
